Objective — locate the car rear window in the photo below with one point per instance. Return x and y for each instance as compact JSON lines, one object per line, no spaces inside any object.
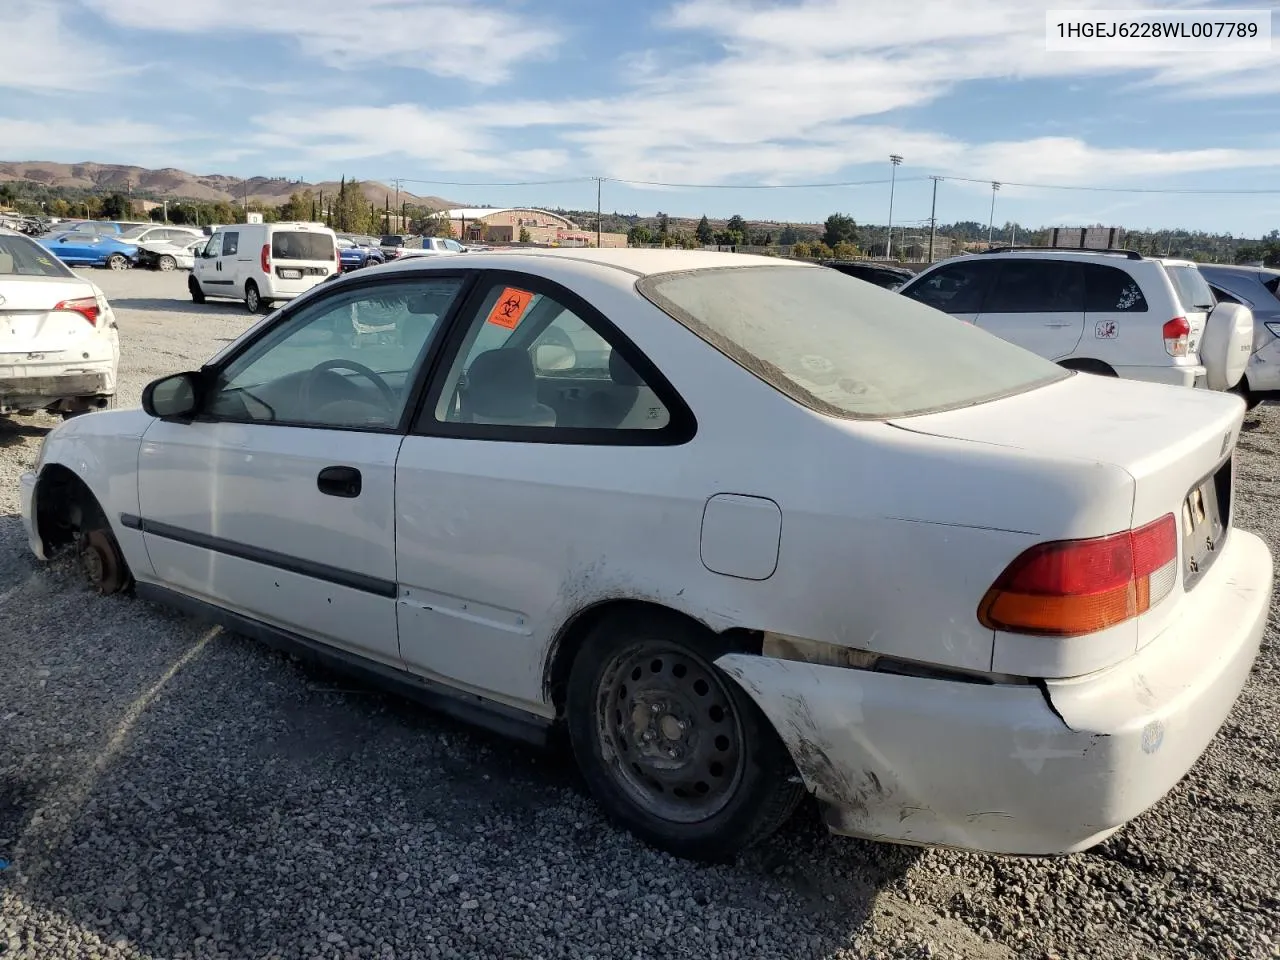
{"x":1193,"y":290}
{"x":392,"y":240}
{"x":845,"y":348}
{"x":295,"y":245}
{"x":20,"y":257}
{"x":1274,"y":286}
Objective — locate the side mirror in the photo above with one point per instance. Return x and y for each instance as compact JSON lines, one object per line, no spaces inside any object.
{"x":174,"y":397}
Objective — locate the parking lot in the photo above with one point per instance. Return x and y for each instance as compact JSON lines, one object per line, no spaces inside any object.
{"x":168,"y":790}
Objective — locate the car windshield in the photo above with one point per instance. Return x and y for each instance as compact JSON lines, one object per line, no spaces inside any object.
{"x":392,"y":240}
{"x":845,"y":348}
{"x":296,"y":245}
{"x":20,"y":257}
{"x":1192,"y":288}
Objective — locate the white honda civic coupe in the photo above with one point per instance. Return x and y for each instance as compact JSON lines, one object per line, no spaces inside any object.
{"x":745,"y":527}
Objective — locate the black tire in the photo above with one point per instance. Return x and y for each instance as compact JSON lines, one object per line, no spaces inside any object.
{"x":117,"y":261}
{"x":1241,"y":389}
{"x":745,"y":784}
{"x":253,"y":299}
{"x":193,"y":286}
{"x":1089,"y":366}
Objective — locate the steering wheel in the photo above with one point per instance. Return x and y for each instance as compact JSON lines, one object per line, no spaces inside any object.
{"x":384,"y":391}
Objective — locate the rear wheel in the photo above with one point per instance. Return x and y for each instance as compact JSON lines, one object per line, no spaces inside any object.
{"x":168,"y":263}
{"x":252,"y":298}
{"x":193,"y":286}
{"x":1242,"y":390}
{"x":672,"y":749}
{"x":1090,"y":366}
{"x":118,"y":261}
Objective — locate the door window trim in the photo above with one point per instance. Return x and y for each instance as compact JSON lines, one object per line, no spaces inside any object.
{"x":315,"y":297}
{"x":681,"y":426}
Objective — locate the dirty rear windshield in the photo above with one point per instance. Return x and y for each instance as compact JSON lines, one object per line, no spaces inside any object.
{"x":1192,"y":288}
{"x":294,"y":245}
{"x":20,"y":257}
{"x":844,"y":347}
{"x":392,"y":240}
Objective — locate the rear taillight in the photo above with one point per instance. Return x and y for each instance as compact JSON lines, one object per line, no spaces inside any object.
{"x":87,"y":307}
{"x":1072,"y":587}
{"x":337,"y":260}
{"x":1176,"y":333}
{"x":266,"y":258}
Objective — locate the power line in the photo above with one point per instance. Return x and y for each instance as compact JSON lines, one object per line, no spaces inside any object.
{"x":753,"y":186}
{"x":1189,"y":191}
{"x":513,"y":183}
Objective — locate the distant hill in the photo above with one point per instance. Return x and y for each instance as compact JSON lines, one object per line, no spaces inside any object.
{"x":179,"y":185}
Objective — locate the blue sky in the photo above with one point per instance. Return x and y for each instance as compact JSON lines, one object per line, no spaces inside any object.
{"x":724,"y":92}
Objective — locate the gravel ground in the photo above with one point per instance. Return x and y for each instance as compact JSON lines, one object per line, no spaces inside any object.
{"x":172,"y":791}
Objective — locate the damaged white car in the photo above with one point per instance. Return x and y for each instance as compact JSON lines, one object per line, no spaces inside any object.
{"x":745,"y":527}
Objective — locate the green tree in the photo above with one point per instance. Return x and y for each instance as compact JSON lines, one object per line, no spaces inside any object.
{"x":300,"y":206}
{"x":821,"y":251}
{"x":789,"y":236}
{"x":664,"y":225}
{"x":525,"y":235}
{"x":736,"y":225}
{"x":704,"y":232}
{"x":116,"y":207}
{"x":801,"y":250}
{"x":351,"y":211}
{"x":639,"y":236}
{"x":839,"y":228}
{"x":844,"y":250}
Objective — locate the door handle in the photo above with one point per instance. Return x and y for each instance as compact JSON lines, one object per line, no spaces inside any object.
{"x":339,"y":482}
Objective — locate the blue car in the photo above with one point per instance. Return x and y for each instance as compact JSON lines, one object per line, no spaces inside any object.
{"x":356,"y":254}
{"x":91,"y":250}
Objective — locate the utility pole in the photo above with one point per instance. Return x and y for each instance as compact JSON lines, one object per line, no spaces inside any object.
{"x":599,"y":181}
{"x":933,"y":217}
{"x":995,"y":186}
{"x":166,"y":210}
{"x":893,"y":177}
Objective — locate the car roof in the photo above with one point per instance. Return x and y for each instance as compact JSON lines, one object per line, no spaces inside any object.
{"x":641,"y":263}
{"x":1240,"y":269}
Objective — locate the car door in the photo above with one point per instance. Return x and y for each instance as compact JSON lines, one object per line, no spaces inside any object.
{"x":541,"y":417}
{"x":206,"y":265}
{"x":956,"y":288}
{"x":229,"y":270}
{"x":1037,"y":304}
{"x":277,"y":501}
{"x":80,"y":248}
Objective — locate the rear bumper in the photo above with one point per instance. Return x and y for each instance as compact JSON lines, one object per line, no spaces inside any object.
{"x":34,"y":388}
{"x":1190,"y":376}
{"x":1009,"y":768}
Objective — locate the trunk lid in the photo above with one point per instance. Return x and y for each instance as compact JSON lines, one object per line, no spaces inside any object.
{"x":1169,"y":439}
{"x":28,"y":323}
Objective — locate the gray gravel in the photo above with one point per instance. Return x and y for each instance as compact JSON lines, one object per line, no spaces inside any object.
{"x":169,"y":791}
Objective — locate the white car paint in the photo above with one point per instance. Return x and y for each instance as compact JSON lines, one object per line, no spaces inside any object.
{"x":470,"y":557}
{"x":54,"y":359}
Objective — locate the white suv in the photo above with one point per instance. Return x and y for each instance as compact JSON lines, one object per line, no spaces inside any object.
{"x":1112,"y":312}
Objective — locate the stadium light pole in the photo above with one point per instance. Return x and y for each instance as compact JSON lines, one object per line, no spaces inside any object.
{"x":995,"y":186}
{"x":893,"y":176}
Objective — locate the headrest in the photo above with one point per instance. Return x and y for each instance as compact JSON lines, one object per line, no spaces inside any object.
{"x":621,"y":373}
{"x":501,"y":383}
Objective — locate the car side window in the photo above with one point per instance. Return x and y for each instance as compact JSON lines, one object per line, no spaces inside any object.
{"x":528,"y":360}
{"x":1222,"y":296}
{"x":213,"y":247}
{"x":348,"y":360}
{"x":1108,"y":290}
{"x":1036,"y":286}
{"x":958,"y":288}
{"x":230,"y":243}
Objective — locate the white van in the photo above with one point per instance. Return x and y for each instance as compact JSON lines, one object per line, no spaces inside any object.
{"x":262,"y":263}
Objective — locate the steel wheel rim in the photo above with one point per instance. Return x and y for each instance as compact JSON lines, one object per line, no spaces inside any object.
{"x":669,"y":732}
{"x":252,"y":297}
{"x":166,"y":263}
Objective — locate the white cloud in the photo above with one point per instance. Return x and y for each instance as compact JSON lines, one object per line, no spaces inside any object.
{"x":36,"y":139}
{"x":453,"y":38}
{"x":41,"y":54}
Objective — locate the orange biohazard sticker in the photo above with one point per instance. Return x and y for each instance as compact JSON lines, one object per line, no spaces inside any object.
{"x":509,"y":308}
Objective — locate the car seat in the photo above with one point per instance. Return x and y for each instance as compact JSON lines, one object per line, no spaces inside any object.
{"x":502,"y":389}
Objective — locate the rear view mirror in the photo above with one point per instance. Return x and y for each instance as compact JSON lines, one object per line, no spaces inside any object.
{"x":172,"y":397}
